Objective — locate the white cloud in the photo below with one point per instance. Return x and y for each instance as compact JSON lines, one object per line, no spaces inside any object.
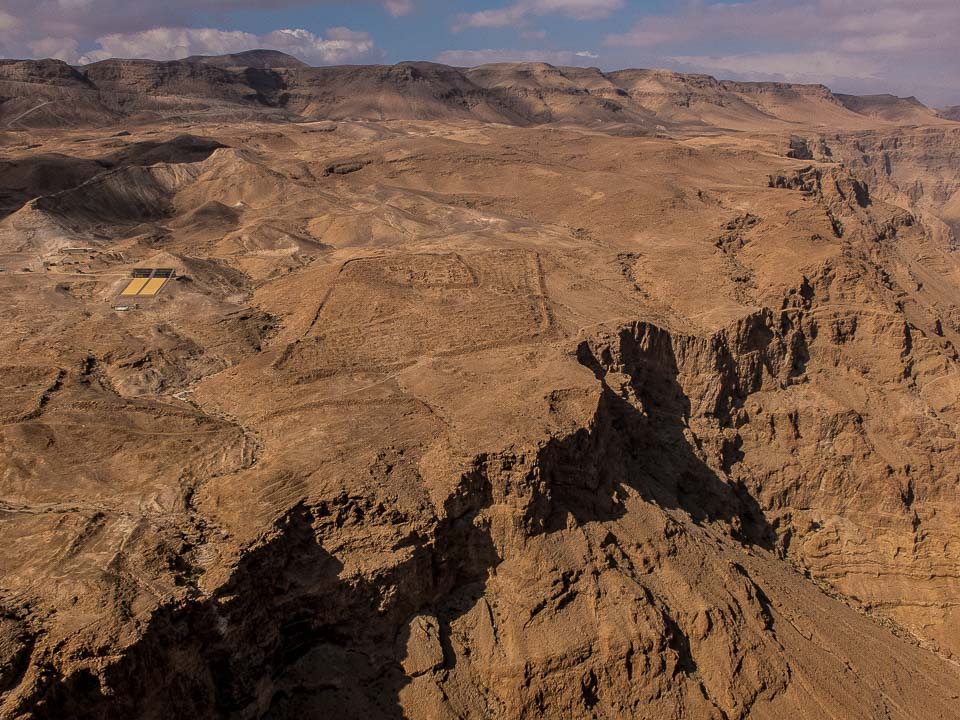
{"x":790,"y":67}
{"x":852,"y":25}
{"x":86,"y":20}
{"x":75,"y":4}
{"x":169,"y":43}
{"x":586,"y":54}
{"x":578,"y":9}
{"x":8,"y":22}
{"x":905,"y":46}
{"x":501,"y":17}
{"x":399,"y":7}
{"x":59,"y":48}
{"x":339,"y":45}
{"x":472,"y":58}
{"x":516,"y":13}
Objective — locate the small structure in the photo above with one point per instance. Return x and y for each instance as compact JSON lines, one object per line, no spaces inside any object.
{"x":147,"y":282}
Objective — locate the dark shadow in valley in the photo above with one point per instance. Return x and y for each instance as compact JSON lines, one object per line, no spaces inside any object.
{"x":268,"y":86}
{"x":43,"y":174}
{"x":292,"y":635}
{"x":289,"y":636}
{"x":640,"y":439}
{"x":184,"y":148}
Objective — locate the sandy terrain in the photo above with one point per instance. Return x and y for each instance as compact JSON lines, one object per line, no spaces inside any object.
{"x":505,"y":392}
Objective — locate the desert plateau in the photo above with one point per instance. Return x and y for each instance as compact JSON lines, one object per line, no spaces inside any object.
{"x":510,"y":391}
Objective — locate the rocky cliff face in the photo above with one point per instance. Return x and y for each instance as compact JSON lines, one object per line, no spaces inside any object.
{"x":915,"y":168}
{"x":626,"y":567}
{"x":42,"y":72}
{"x":889,"y":107}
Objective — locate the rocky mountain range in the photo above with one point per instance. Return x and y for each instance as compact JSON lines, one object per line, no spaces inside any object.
{"x":48,"y":93}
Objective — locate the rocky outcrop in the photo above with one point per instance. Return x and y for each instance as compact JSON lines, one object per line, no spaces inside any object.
{"x":915,"y":169}
{"x":889,"y":107}
{"x":54,"y":73}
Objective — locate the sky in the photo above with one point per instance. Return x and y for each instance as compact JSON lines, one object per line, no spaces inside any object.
{"x":905,"y":47}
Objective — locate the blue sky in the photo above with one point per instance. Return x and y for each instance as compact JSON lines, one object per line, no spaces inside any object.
{"x":908,"y":47}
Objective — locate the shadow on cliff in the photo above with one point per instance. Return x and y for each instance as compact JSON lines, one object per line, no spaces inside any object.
{"x":640,"y":439}
{"x":289,"y":636}
{"x":44,"y":174}
{"x":293,"y":636}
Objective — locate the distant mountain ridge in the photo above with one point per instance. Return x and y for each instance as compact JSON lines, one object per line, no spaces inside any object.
{"x":888,"y":107}
{"x":279,"y":86}
{"x":260,"y":59}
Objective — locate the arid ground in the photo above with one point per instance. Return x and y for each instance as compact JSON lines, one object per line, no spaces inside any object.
{"x":505,"y":392}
